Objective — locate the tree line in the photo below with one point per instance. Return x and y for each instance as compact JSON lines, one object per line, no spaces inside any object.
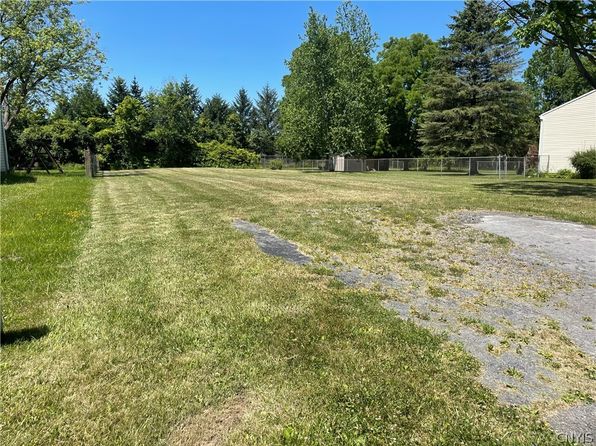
{"x":459,"y":96}
{"x":134,"y":129}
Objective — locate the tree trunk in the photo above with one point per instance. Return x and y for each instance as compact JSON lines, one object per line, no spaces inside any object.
{"x":580,"y":66}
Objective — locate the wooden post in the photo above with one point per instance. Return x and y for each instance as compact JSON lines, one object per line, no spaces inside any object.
{"x":88,"y":163}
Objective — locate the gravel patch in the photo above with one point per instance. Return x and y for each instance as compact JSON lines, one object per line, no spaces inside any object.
{"x":576,"y":424}
{"x":497,"y":301}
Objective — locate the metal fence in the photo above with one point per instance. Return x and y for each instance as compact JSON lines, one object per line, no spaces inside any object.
{"x":487,"y":165}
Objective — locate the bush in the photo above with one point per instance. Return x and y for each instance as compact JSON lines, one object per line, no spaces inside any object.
{"x":216,"y":154}
{"x":276,"y":165}
{"x":585,"y":163}
{"x":563,"y":173}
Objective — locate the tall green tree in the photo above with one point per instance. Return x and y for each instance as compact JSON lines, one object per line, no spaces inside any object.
{"x":43,"y":50}
{"x":136,"y":91}
{"x":568,"y":25}
{"x":214,"y":122}
{"x":333,"y":99}
{"x":553,"y":78}
{"x":266,"y":121}
{"x":117,"y":92}
{"x":192,"y":92}
{"x":473,"y":106}
{"x":131,"y":121}
{"x":174,"y":126}
{"x":216,"y":109}
{"x":85,"y":103}
{"x":243,"y":108}
{"x":404,"y":65}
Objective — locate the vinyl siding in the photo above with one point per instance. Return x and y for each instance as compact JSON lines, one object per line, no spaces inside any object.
{"x":565,"y":130}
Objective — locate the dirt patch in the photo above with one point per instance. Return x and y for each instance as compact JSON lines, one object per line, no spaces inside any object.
{"x":212,"y":427}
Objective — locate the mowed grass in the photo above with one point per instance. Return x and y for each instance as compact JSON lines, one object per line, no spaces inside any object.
{"x":167,"y":326}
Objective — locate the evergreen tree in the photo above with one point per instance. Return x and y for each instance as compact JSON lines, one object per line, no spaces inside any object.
{"x":188,"y":89}
{"x":136,"y":91}
{"x":266,"y":121}
{"x":214,"y":121}
{"x":243,"y":107}
{"x":116,"y":94}
{"x":85,"y":103}
{"x":216,"y":109}
{"x":473,"y":106}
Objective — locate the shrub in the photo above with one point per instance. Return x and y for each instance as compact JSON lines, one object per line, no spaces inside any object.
{"x":276,"y":165}
{"x":216,"y":154}
{"x":585,"y":163}
{"x":563,"y":173}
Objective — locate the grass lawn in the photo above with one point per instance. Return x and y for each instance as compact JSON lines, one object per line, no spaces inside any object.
{"x":136,"y":314}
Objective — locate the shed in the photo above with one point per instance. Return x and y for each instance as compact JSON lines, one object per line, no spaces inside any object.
{"x":566,"y":129}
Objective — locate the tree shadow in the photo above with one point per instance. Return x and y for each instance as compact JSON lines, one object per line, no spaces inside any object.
{"x":541,"y":189}
{"x":17,"y":178}
{"x":24,"y":334}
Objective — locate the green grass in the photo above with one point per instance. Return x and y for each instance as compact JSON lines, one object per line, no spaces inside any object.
{"x":43,"y":219}
{"x":167,"y":326}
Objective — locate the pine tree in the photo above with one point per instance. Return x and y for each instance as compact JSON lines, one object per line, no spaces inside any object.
{"x":243,"y":107}
{"x":136,"y":91}
{"x":216,"y":109}
{"x":118,"y":91}
{"x":188,"y":89}
{"x":266,"y":126}
{"x":473,"y":105}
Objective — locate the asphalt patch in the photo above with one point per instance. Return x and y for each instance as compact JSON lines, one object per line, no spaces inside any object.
{"x":273,"y":245}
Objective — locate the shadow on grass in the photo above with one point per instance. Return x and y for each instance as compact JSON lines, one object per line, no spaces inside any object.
{"x":17,"y":178}
{"x":24,"y":334}
{"x":541,"y":189}
{"x":119,"y":173}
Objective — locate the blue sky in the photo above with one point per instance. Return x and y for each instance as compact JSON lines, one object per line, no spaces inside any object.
{"x":223,"y":46}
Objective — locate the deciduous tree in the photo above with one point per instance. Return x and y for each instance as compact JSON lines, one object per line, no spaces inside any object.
{"x":174,"y":126}
{"x":404,"y":67}
{"x":333,"y":99}
{"x":568,"y":25}
{"x":43,"y":49}
{"x":553,"y":78}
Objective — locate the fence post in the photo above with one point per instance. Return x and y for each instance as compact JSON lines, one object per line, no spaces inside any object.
{"x":499,"y":165}
{"x":441,"y":166}
{"x":88,"y":163}
{"x":525,"y":158}
{"x":505,"y":166}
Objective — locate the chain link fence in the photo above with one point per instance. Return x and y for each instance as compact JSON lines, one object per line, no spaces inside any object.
{"x":486,"y":165}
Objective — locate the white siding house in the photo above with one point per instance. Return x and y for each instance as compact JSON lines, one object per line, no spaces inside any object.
{"x":566,"y":129}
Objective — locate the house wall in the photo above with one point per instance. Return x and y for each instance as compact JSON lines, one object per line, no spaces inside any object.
{"x":565,"y":130}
